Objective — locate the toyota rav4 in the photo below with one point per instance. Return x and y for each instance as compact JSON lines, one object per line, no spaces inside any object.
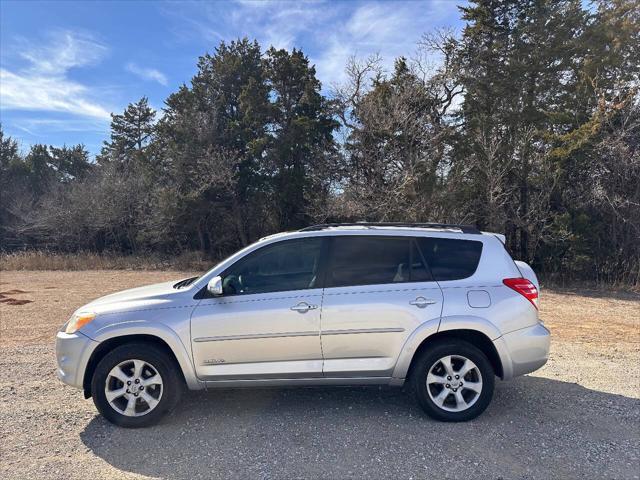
{"x":442,"y":307}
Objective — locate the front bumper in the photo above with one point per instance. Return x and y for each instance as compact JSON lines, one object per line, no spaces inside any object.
{"x":73,"y":351}
{"x":523,"y":351}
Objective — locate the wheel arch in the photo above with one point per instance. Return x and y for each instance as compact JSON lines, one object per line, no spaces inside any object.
{"x":108,"y":344}
{"x":475,"y":330}
{"x":474,"y":337}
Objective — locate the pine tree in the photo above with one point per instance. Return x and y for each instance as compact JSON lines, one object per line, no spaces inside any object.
{"x":301,"y":136}
{"x":71,"y":163}
{"x":131,"y":135}
{"x":518,"y":73}
{"x":222,"y":117}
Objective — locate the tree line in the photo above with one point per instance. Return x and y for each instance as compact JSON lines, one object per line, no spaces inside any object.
{"x":527,"y":122}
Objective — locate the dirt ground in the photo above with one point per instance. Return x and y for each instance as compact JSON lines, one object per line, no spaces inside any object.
{"x":578,"y":417}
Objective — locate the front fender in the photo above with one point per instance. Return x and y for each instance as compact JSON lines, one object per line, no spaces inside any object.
{"x":427,"y":329}
{"x":155,"y":329}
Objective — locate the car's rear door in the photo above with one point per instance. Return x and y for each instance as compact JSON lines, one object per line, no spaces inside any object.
{"x":377,"y":291}
{"x":267,"y":322}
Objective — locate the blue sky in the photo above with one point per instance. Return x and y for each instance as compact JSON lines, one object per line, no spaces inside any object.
{"x":65,"y":66}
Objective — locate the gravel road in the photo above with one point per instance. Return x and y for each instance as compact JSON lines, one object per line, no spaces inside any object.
{"x":578,"y":417}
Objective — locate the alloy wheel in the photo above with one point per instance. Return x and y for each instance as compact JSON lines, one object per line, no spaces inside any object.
{"x":454,"y":383}
{"x":133,"y":388}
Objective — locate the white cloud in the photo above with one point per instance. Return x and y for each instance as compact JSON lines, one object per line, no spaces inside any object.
{"x":329,"y":32}
{"x":39,"y":126}
{"x":148,"y":73}
{"x":43,"y":84}
{"x":64,"y":50}
{"x":390,"y":29}
{"x":283,"y":25}
{"x":273,"y":23}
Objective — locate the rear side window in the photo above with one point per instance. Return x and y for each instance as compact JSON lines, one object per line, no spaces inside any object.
{"x":451,"y":259}
{"x":370,"y":260}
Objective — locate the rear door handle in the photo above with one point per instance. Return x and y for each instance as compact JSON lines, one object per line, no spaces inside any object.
{"x":422,"y":302}
{"x":303,"y":307}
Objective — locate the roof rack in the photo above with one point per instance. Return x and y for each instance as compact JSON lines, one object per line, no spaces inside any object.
{"x":462,"y":228}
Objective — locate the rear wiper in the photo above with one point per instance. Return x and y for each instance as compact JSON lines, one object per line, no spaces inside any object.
{"x":185,"y":283}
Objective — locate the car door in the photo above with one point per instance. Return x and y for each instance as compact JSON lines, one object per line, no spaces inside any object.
{"x":378,"y":291}
{"x":267,"y":322}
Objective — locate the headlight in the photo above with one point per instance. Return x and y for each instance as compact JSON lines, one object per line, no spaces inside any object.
{"x":78,"y":320}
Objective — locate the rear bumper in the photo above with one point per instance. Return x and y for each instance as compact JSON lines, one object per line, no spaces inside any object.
{"x":523,"y":351}
{"x":73,"y":351}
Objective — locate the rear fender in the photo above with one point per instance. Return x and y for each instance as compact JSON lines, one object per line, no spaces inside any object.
{"x":412,"y":344}
{"x":427,"y":329}
{"x":470,"y":322}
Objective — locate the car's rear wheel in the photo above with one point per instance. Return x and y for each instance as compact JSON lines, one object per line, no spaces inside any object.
{"x":453,"y":381}
{"x":134,"y":385}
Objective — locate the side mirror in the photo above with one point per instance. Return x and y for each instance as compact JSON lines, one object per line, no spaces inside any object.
{"x":215,"y":286}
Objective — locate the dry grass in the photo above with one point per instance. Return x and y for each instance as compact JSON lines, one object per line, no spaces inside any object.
{"x":44,"y":260}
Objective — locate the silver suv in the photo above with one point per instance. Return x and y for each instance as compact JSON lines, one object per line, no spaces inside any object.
{"x":443,"y":307}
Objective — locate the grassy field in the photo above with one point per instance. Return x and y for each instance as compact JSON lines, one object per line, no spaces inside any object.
{"x":582,"y":407}
{"x":45,"y":260}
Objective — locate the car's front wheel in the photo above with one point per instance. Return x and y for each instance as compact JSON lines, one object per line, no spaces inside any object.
{"x":453,"y":381}
{"x":134,"y":385}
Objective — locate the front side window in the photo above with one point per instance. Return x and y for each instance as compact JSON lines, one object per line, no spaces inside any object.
{"x":283,"y":266}
{"x":451,"y":259}
{"x":369,"y":260}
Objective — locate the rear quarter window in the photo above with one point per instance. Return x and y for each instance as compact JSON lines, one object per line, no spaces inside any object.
{"x":451,"y":259}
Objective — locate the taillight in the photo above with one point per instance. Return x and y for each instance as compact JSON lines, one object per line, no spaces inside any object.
{"x":524,"y":287}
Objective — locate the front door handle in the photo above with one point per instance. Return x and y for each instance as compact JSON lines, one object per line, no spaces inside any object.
{"x":303,"y":307}
{"x":422,"y":302}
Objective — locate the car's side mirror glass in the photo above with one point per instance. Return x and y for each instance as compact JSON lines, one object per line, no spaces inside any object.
{"x":215,"y":286}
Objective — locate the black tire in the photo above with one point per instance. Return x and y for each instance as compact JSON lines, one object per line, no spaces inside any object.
{"x":172,"y":383}
{"x":428,"y":359}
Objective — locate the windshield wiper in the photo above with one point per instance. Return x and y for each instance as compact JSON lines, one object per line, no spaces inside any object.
{"x":185,"y":283}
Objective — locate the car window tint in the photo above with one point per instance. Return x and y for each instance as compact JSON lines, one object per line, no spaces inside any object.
{"x":450,"y":259}
{"x":419,"y":271}
{"x":287,"y":265}
{"x":368,"y":260}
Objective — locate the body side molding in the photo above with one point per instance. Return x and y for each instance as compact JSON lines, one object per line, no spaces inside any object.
{"x":362,"y":330}
{"x":254,"y":336}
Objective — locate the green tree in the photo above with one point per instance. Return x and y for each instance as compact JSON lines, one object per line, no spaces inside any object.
{"x":301,"y":141}
{"x":42,"y":173}
{"x":224,"y":115}
{"x":14,"y":176}
{"x":131,"y":135}
{"x":519,"y":60}
{"x":70,"y":163}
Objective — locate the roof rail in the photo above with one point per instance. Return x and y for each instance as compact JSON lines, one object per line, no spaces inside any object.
{"x":462,"y":228}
